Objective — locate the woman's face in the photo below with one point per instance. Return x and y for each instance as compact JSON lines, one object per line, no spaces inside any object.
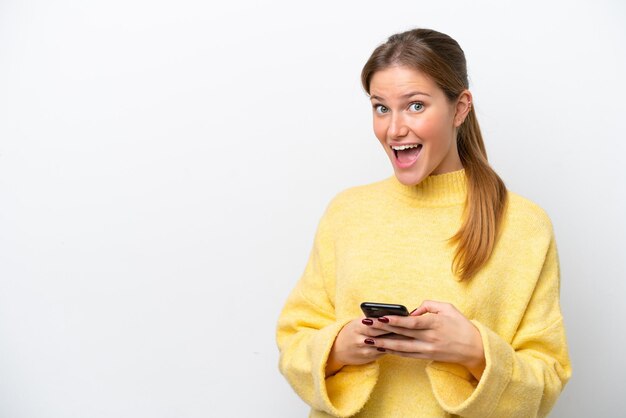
{"x":415,"y":123}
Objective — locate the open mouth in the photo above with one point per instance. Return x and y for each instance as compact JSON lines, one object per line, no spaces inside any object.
{"x":406,"y":154}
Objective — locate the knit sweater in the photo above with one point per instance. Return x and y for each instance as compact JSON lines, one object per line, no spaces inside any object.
{"x":387,"y":242}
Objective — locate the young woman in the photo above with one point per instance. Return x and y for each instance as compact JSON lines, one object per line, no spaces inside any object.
{"x":443,"y":234}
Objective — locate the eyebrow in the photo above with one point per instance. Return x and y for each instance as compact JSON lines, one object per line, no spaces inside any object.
{"x":404,"y":96}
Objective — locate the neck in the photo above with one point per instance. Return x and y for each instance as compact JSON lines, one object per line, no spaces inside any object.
{"x":440,"y":189}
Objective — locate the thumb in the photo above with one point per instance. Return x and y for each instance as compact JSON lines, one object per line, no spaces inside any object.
{"x":428,"y":306}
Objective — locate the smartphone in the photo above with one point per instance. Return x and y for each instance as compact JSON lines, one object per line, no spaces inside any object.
{"x":376,"y":310}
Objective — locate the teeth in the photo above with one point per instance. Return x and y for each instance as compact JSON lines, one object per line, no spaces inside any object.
{"x":403,"y":147}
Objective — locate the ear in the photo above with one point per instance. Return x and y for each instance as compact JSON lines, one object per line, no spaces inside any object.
{"x":463,"y":107}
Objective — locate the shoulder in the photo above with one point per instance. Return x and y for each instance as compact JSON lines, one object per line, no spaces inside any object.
{"x":356,"y":196}
{"x":525,"y":216}
{"x":354,"y":202}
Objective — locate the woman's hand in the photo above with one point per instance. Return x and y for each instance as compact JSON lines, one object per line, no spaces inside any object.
{"x":354,"y":345}
{"x":435,"y":331}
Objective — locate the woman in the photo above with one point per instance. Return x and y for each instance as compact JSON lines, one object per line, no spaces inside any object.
{"x":487,"y":339}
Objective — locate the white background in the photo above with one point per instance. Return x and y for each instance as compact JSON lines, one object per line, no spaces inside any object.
{"x":164,"y":164}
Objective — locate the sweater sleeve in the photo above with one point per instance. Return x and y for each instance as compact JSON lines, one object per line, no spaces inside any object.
{"x":307,"y":328}
{"x":522,"y":378}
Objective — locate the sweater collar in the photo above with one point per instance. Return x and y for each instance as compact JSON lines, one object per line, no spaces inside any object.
{"x":438,"y":190}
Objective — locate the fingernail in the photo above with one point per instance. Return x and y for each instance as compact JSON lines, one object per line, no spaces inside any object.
{"x":413,"y":311}
{"x":382,"y":350}
{"x":383,"y":319}
{"x":369,"y":341}
{"x":367,"y":321}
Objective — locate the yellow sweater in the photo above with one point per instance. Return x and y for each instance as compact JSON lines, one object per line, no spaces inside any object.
{"x":387,"y":242}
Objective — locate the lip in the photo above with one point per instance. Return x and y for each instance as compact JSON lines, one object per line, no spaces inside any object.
{"x":408,"y":164}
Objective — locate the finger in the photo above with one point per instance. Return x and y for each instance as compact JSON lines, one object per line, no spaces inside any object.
{"x":369,"y":349}
{"x":381,"y":323}
{"x":432,"y":306}
{"x":425,"y":335}
{"x":392,"y":323}
{"x":420,"y":310}
{"x":370,"y":353}
{"x":369,"y":341}
{"x":376,"y":322}
{"x":372,"y":327}
{"x":394,"y":336}
{"x":373,"y":332}
{"x":404,"y":345}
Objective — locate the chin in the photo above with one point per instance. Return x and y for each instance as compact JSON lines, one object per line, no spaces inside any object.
{"x":410,"y":179}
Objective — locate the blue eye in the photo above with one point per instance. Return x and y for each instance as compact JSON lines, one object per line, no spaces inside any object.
{"x":380,"y":109}
{"x":416,"y":107}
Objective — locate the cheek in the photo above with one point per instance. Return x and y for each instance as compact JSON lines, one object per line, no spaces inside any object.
{"x":433,"y":130}
{"x":380,"y":130}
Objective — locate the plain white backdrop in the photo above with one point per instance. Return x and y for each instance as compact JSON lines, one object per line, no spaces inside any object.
{"x":163,"y":167}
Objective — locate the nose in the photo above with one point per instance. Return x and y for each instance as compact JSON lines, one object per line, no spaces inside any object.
{"x":397,"y":126}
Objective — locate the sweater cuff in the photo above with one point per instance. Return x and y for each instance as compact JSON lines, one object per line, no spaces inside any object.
{"x":458,"y":392}
{"x":346,"y":392}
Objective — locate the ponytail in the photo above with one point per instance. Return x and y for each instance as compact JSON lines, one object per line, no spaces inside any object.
{"x":484,"y":206}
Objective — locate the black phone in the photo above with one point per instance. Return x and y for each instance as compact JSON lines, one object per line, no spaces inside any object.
{"x":376,"y":310}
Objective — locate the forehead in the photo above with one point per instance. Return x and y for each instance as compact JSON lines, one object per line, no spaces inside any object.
{"x":398,"y":80}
